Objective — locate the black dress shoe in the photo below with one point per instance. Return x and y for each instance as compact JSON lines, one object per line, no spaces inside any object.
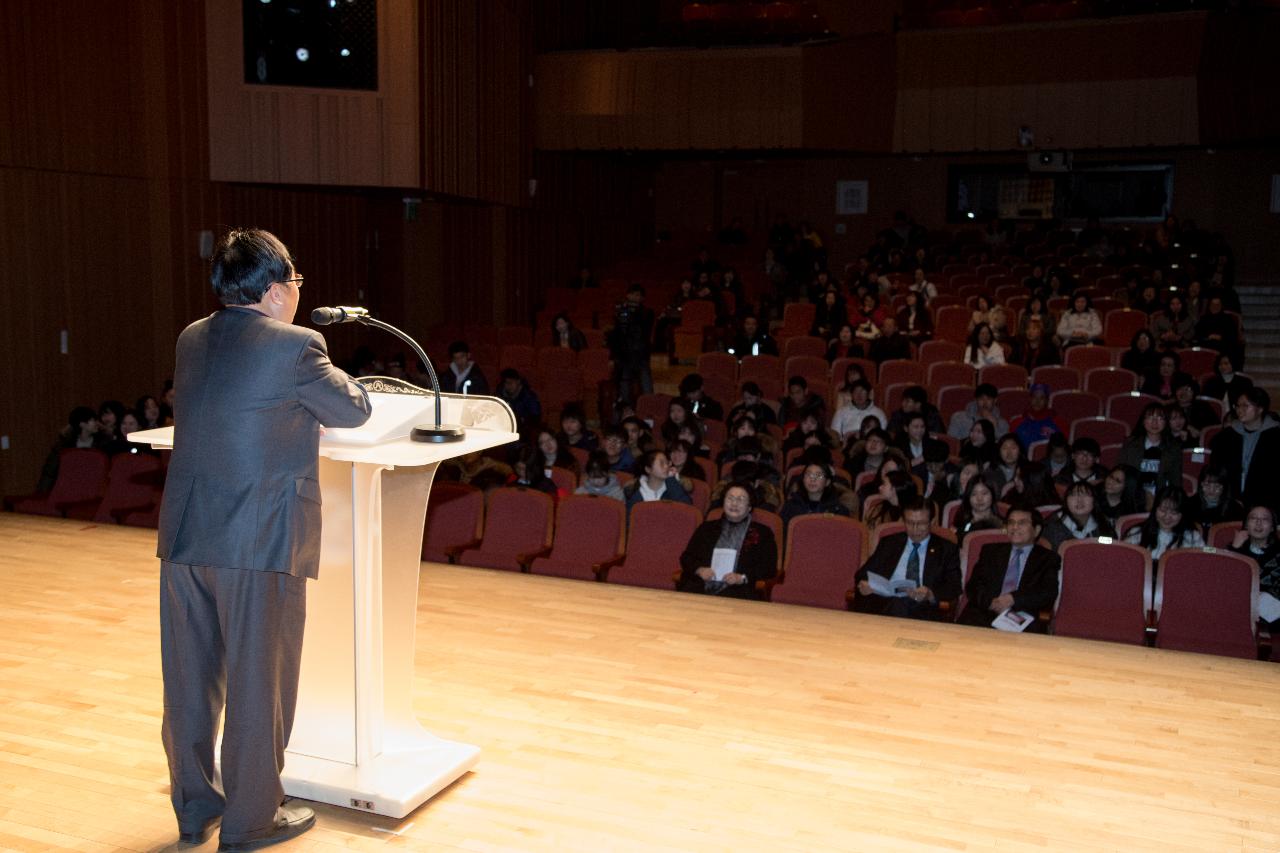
{"x":198,"y":836}
{"x":291,"y":821}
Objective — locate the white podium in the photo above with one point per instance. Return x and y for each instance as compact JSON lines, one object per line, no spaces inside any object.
{"x":355,"y":741}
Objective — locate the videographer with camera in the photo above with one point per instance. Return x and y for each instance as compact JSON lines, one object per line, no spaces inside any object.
{"x":629,"y":344}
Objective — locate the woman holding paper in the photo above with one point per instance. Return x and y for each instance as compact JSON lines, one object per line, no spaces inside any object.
{"x":729,"y":555}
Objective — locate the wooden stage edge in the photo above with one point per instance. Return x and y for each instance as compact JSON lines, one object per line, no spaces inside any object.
{"x":613,"y":718}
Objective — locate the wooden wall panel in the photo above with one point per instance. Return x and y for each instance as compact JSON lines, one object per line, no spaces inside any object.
{"x":280,"y":134}
{"x":741,"y":98}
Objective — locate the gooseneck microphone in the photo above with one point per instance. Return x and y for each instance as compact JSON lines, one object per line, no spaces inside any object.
{"x":439,"y":433}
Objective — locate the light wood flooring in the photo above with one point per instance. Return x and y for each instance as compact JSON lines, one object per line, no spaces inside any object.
{"x":613,"y":718}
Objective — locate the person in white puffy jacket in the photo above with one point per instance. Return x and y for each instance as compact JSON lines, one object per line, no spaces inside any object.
{"x":1080,"y":325}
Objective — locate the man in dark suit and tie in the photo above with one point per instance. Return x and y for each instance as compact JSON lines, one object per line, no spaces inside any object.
{"x":1019,"y":576}
{"x":239,"y":535}
{"x":926,"y":567}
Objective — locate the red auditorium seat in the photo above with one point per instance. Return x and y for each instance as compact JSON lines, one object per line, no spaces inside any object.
{"x":556,"y":358}
{"x":760,"y":367}
{"x":517,"y":525}
{"x":135,"y":483}
{"x":952,"y":323}
{"x":1057,"y":377}
{"x":970,"y":550}
{"x":1105,"y":591}
{"x":935,"y":351}
{"x":797,"y":319}
{"x":813,"y":369}
{"x":1108,"y":381}
{"x":841,"y":366}
{"x":653,"y":407}
{"x":566,"y":481}
{"x":1127,"y":408}
{"x":516,"y":335}
{"x":1193,"y":459}
{"x":1125,"y":524}
{"x":82,"y":477}
{"x":1207,"y":601}
{"x":1197,"y":361}
{"x":589,"y":538}
{"x":658,"y":534}
{"x":557,"y":388}
{"x":822,"y":554}
{"x":952,"y":398}
{"x":1102,"y":430}
{"x":455,"y":515}
{"x":1074,"y":405}
{"x":1120,"y":326}
{"x":1013,"y":402}
{"x":1089,"y":356}
{"x":718,"y":364}
{"x":943,"y":373}
{"x":806,"y":346}
{"x":898,"y":370}
{"x":1004,"y":375}
{"x":696,"y":317}
{"x":1221,"y":534}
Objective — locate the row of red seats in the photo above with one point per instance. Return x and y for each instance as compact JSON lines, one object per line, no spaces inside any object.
{"x":121,"y":489}
{"x":1204,"y":600}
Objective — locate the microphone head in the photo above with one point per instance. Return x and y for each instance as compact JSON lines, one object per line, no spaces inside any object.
{"x":326,"y":316}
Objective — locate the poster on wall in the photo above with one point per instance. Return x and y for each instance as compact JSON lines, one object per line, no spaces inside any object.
{"x":851,"y":198}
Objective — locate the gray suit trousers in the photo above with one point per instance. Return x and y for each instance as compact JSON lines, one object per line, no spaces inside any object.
{"x":233,"y":637}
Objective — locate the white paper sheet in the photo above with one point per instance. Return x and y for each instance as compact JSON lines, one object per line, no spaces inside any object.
{"x":722,"y":561}
{"x":1013,"y":620}
{"x":882,"y":585}
{"x":1268,"y":607}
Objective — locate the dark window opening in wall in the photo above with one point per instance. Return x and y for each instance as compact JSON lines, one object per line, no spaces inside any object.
{"x":326,"y":44}
{"x":1113,"y":192}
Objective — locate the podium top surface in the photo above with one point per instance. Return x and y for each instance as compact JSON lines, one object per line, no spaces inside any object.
{"x":397,"y":452}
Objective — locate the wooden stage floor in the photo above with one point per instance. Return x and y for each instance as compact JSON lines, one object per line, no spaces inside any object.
{"x":613,"y":718}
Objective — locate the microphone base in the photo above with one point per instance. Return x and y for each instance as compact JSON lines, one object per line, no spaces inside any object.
{"x":437,"y":433}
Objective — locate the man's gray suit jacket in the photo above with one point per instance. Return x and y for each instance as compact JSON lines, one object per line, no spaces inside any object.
{"x":251,"y":394}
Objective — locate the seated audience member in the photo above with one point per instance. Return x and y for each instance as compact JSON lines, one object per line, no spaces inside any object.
{"x":981,"y":312}
{"x":937,"y":474}
{"x":867,"y":454}
{"x":1057,"y":454}
{"x":829,"y":314}
{"x":893,"y":460}
{"x":110,"y":438}
{"x":1141,"y":357}
{"x":1179,"y":429}
{"x":1250,"y":448}
{"x":798,"y":402}
{"x":598,"y":479}
{"x":753,"y":404}
{"x":527,"y":472}
{"x":1081,"y":324}
{"x":982,"y":348}
{"x":961,"y":479}
{"x":1079,"y":517}
{"x":1019,"y":576}
{"x":1167,"y":375}
{"x":925,"y":567}
{"x":762,"y":479}
{"x":867,"y":319}
{"x":639,"y":439}
{"x":678,"y":417}
{"x":855,"y":406}
{"x":1214,"y":500}
{"x":1217,"y":329}
{"x":1199,"y":414}
{"x":809,"y":432}
{"x":921,"y":285}
{"x":616,"y":451}
{"x":1121,"y":493}
{"x":742,"y":438}
{"x":915,"y":441}
{"x":520,"y":397}
{"x":1039,"y":421}
{"x":699,"y":403}
{"x":980,"y":445}
{"x":552,"y":453}
{"x":1169,"y":525}
{"x":913,"y":320}
{"x":1084,"y":467}
{"x":1035,"y":311}
{"x":684,"y":461}
{"x":1034,"y":486}
{"x":733,"y":541}
{"x":1033,"y":349}
{"x":1153,"y":452}
{"x":167,"y":394}
{"x":573,"y":428}
{"x":752,"y":340}
{"x":1009,"y":458}
{"x":655,"y":481}
{"x":978,"y":509}
{"x":814,"y":493}
{"x":844,"y":344}
{"x":1173,"y":327}
{"x":566,"y":335}
{"x":80,"y":431}
{"x":982,"y":407}
{"x":667,"y":322}
{"x":463,"y":376}
{"x":891,"y":343}
{"x":897,"y":489}
{"x":1258,"y":540}
{"x":1148,"y":301}
{"x":148,"y":412}
{"x":916,"y":399}
{"x":1225,"y":384}
{"x":477,"y":469}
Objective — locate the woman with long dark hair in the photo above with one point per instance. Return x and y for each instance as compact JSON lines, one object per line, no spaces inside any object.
{"x":1214,"y":500}
{"x":897,"y":488}
{"x":1120,"y":493}
{"x":1152,"y":450}
{"x":978,"y":510}
{"x":1141,"y":357}
{"x":1169,"y":525}
{"x":1079,"y":517}
{"x":982,"y":349}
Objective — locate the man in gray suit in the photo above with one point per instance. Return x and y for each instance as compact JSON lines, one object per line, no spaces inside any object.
{"x":239,"y":536}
